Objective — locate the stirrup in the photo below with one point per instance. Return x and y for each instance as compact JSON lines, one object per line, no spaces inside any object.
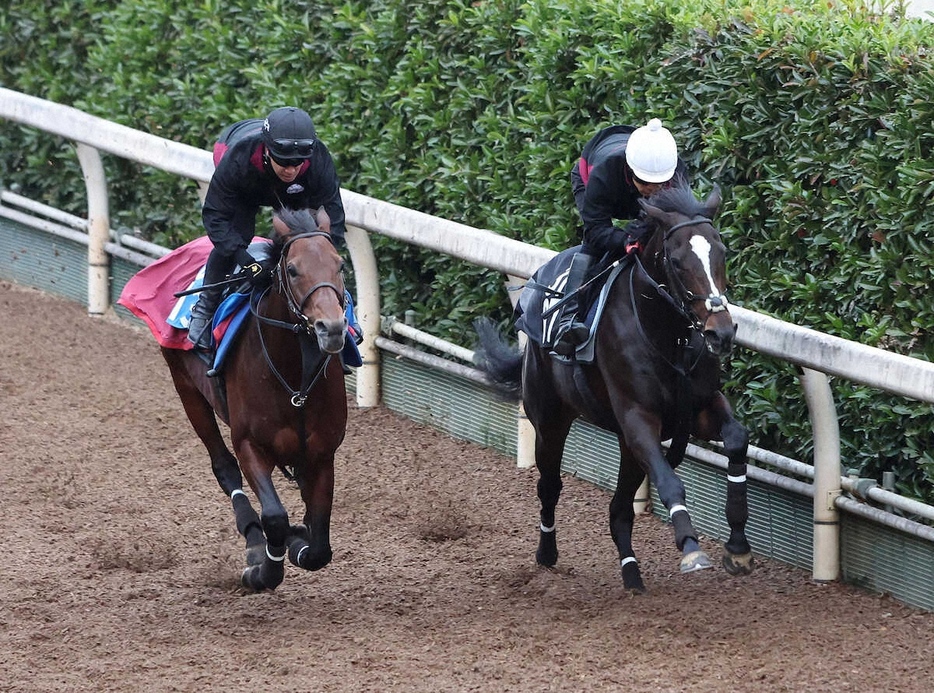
{"x":200,"y":336}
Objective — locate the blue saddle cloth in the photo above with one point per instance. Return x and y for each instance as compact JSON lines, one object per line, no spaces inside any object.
{"x":544,"y":289}
{"x":236,"y":307}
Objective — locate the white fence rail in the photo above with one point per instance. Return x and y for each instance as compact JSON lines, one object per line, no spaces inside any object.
{"x":818,"y":355}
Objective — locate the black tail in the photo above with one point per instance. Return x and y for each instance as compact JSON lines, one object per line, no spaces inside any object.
{"x":497,"y":359}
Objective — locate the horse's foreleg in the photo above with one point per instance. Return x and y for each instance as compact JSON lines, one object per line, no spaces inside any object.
{"x":737,"y":559}
{"x":641,"y":437}
{"x":275,"y":520}
{"x":622,"y":517}
{"x":716,"y":422}
{"x":310,"y":546}
{"x":249,"y":526}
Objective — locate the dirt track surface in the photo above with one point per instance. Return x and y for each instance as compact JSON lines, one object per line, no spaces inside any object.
{"x":122,"y":562}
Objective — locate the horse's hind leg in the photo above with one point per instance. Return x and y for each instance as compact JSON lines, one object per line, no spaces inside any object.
{"x":622,"y":517}
{"x":551,"y":421}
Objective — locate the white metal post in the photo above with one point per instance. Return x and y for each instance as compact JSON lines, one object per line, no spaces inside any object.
{"x":98,"y":230}
{"x":367,"y":307}
{"x":826,"y":428}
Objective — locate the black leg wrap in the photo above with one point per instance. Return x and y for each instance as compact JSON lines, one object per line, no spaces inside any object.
{"x":302,"y":555}
{"x":684,"y":530}
{"x":245,"y":515}
{"x":737,"y":510}
{"x":548,"y":494}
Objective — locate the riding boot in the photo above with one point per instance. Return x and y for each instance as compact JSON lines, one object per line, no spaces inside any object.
{"x":571,"y":330}
{"x":202,"y":313}
{"x":202,"y":316}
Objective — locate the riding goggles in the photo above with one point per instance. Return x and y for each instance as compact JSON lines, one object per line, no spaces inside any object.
{"x":288,"y":148}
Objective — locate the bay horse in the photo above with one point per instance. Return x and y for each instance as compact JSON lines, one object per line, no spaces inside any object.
{"x":654,"y":376}
{"x":282,"y":394}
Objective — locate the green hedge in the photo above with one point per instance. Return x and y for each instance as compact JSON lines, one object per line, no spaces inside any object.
{"x":815,"y":118}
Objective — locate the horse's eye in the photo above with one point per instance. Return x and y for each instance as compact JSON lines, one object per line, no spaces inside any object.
{"x":292,"y":271}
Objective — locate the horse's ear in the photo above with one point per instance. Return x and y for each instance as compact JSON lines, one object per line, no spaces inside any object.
{"x":323,"y":220}
{"x":279,"y":226}
{"x":712,"y":203}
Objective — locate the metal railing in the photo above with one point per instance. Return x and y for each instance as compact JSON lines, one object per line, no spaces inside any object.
{"x":818,"y":355}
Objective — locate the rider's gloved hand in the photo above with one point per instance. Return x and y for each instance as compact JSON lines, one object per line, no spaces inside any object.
{"x":259,"y":273}
{"x":255,"y":269}
{"x":635,"y":234}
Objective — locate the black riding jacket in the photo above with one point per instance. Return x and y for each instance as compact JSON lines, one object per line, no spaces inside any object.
{"x":244,"y":181}
{"x":604,"y":191}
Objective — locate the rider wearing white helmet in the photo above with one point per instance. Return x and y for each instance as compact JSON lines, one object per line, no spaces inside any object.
{"x":619,"y":165}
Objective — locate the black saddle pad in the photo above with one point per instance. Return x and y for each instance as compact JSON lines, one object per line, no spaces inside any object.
{"x":546,"y":287}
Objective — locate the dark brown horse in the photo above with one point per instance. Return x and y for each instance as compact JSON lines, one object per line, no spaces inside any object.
{"x":655,"y":376}
{"x":282,"y":394}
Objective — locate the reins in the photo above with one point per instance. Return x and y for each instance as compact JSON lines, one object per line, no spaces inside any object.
{"x":313,"y":365}
{"x":687,"y":367}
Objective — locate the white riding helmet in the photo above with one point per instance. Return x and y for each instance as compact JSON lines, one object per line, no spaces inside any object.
{"x":652,"y":153}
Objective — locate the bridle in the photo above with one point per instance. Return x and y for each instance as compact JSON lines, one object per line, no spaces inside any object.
{"x":713,"y":302}
{"x":285,"y":286}
{"x":678,"y":296}
{"x":313,"y":366}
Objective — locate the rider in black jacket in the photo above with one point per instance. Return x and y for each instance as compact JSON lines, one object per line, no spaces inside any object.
{"x":277,"y":162}
{"x":619,"y":165}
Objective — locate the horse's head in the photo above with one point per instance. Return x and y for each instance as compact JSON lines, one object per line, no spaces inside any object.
{"x":693,"y":261}
{"x":310,"y":275}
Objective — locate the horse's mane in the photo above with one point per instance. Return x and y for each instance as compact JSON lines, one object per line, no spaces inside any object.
{"x":299,"y":221}
{"x":679,"y":198}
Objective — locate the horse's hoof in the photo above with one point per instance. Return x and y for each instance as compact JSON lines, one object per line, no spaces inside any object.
{"x":250,"y":579}
{"x":547,"y":552}
{"x":548,"y":560}
{"x":738,"y":564}
{"x":632,"y":579}
{"x":696,"y":560}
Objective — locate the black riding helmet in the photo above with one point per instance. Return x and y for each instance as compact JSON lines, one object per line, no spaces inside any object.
{"x":289,"y":133}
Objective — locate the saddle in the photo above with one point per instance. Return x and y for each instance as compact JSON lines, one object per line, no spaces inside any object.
{"x":150,"y":296}
{"x":546,"y":288}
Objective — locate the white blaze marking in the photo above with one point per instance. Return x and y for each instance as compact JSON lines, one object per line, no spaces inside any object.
{"x":701,"y":248}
